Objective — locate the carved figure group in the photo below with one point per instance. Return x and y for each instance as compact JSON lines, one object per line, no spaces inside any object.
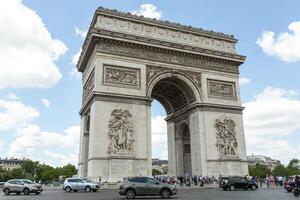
{"x":121,"y":76}
{"x":120,"y":131}
{"x":226,"y":137}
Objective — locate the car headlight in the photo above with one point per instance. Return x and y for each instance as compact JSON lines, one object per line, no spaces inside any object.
{"x":226,"y":181}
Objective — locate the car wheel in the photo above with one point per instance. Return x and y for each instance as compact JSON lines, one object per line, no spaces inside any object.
{"x":26,"y":191}
{"x":68,"y":189}
{"x":165,"y":193}
{"x":224,"y":188}
{"x":6,"y":191}
{"x":246,"y":188}
{"x":18,"y":193}
{"x":74,"y":190}
{"x":88,"y":189}
{"x":296,"y":194}
{"x":130,"y":194}
{"x":253,"y":187}
{"x":231,"y":187}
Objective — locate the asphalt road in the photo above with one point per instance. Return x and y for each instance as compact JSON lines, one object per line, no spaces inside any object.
{"x":199,"y":194}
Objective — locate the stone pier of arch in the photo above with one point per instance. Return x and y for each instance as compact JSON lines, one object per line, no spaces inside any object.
{"x":126,"y":62}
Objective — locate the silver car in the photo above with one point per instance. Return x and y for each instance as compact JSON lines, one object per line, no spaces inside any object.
{"x":75,"y":184}
{"x":146,"y":186}
{"x":19,"y":186}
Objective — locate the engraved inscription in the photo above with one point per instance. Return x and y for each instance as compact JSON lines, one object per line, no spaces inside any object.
{"x":122,"y":76}
{"x":221,"y":89}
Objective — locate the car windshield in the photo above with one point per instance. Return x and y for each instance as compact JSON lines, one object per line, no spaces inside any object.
{"x":27,"y":181}
{"x":87,"y":180}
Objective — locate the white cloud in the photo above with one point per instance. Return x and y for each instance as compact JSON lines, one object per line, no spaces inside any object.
{"x":244,"y":81}
{"x":27,"y":50}
{"x":74,"y":72}
{"x":70,"y":138}
{"x":80,"y":33}
{"x":285,"y":46}
{"x":62,"y":158}
{"x":15,"y":114}
{"x":12,"y":96}
{"x":159,"y":137}
{"x":2,"y":144}
{"x":46,"y":102}
{"x":148,"y":10}
{"x":272,"y":114}
{"x":31,"y":142}
{"x":26,"y":142}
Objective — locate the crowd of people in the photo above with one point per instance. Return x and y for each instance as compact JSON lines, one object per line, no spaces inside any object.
{"x":188,"y":181}
{"x":201,"y":181}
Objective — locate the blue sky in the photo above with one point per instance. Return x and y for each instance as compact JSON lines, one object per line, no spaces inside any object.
{"x":40,"y":94}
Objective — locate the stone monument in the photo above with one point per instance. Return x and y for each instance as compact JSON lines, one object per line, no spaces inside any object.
{"x":126,"y":62}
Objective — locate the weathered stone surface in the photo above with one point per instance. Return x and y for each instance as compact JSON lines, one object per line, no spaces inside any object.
{"x":197,"y":82}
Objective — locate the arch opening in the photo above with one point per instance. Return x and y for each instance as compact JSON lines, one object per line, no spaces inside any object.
{"x":173,"y":93}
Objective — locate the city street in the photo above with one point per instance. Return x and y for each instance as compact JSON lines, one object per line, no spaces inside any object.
{"x":213,"y":194}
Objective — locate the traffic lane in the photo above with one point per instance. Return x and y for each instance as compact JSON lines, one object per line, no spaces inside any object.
{"x":202,"y":194}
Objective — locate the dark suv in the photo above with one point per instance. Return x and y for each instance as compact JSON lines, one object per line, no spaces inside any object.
{"x":146,"y":186}
{"x":236,"y":182}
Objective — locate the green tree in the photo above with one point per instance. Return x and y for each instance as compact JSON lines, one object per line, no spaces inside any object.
{"x":293,"y":167}
{"x":280,"y":170}
{"x":259,"y":170}
{"x":156,"y":172}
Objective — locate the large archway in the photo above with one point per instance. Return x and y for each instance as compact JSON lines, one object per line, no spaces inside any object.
{"x":127,"y":61}
{"x":172,"y":90}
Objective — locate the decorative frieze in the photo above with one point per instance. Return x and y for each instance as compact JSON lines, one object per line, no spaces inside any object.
{"x":88,"y":86}
{"x":120,"y":132}
{"x":169,"y":34}
{"x":162,"y":55}
{"x":121,"y":76}
{"x":221,"y":89}
{"x":226,"y":138}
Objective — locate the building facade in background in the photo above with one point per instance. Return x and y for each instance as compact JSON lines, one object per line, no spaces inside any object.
{"x":266,"y":161}
{"x":11,"y":163}
{"x":126,"y":62}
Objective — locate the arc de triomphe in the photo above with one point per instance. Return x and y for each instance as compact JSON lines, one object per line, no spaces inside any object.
{"x":127,"y":61}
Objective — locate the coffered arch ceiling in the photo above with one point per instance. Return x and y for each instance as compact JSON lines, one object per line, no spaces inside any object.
{"x":173,"y":93}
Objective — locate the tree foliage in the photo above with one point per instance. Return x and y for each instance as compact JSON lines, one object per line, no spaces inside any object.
{"x":293,"y":168}
{"x":35,"y":171}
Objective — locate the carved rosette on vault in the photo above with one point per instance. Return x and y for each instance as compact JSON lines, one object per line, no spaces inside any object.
{"x":226,"y":138}
{"x":120,"y":132}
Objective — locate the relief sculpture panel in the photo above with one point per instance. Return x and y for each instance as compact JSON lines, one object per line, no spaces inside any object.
{"x":120,"y":132}
{"x":88,"y":87}
{"x":226,"y":138}
{"x":221,"y":89}
{"x":121,"y":76}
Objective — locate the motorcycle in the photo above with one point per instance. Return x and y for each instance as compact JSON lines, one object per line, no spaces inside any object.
{"x":296,"y":191}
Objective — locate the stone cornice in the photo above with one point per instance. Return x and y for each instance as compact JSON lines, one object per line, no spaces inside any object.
{"x":152,"y":53}
{"x":128,"y":15}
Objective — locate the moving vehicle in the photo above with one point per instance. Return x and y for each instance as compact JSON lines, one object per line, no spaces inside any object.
{"x":19,"y":186}
{"x":75,"y":184}
{"x":296,"y":192}
{"x":236,"y":182}
{"x":290,"y":184}
{"x":146,"y":186}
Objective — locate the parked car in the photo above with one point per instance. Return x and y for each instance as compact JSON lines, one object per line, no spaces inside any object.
{"x":290,"y":184}
{"x":146,"y":186}
{"x":75,"y":184}
{"x":24,"y":186}
{"x":236,"y":182}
